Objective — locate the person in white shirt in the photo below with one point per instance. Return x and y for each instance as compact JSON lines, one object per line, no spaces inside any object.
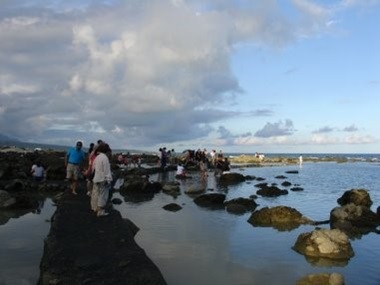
{"x":181,"y":172}
{"x":102,"y":181}
{"x":38,"y":171}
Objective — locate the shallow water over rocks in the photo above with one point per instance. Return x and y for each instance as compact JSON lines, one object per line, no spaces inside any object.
{"x":200,"y":246}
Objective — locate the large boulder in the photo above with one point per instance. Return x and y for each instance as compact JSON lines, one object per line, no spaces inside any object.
{"x":359,"y":197}
{"x":324,"y":243}
{"x":354,"y":220}
{"x":282,"y":218}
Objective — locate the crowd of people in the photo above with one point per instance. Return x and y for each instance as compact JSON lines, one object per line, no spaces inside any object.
{"x":96,"y":163}
{"x":98,"y":173}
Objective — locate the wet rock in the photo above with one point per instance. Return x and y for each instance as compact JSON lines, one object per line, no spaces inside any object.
{"x":172,"y":189}
{"x":281,"y":218}
{"x":139,"y":184}
{"x":232,"y":178}
{"x":116,"y":201}
{"x":250,"y":177}
{"x":359,"y":197}
{"x":270,"y":191}
{"x":236,"y":209}
{"x":296,"y":189}
{"x":280,"y":177}
{"x":286,"y":184}
{"x":212,"y":200}
{"x":240,"y":205}
{"x":6,"y":200}
{"x":292,"y":171}
{"x":323,"y":243}
{"x":194,"y":190}
{"x":172,"y":207}
{"x":16,"y":185}
{"x":354,"y":220}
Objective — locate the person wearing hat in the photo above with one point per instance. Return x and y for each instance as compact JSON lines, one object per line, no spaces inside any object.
{"x":74,"y":158}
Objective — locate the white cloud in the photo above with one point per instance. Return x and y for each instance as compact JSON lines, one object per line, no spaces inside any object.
{"x":323,"y":139}
{"x":154,"y":71}
{"x":276,"y":129}
{"x":357,"y":139}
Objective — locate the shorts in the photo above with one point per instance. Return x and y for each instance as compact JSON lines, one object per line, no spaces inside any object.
{"x":72,"y":171}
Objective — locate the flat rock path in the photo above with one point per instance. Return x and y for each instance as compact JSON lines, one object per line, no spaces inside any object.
{"x":84,"y":249}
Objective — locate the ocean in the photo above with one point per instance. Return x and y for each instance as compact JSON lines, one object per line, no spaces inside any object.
{"x":201,"y":246}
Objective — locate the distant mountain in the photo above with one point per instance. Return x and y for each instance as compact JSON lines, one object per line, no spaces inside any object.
{"x":4,"y":138}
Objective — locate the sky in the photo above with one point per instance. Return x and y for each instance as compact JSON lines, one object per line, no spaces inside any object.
{"x":295,"y":76}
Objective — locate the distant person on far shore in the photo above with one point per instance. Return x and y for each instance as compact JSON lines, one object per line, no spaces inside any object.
{"x":74,"y":158}
{"x":300,"y":159}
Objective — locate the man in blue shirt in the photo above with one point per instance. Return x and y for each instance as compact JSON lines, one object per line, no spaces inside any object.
{"x":74,"y":158}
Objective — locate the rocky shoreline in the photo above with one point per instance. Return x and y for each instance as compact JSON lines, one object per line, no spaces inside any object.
{"x":84,"y":249}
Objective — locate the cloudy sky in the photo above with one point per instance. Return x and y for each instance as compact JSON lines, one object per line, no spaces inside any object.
{"x":295,"y":76}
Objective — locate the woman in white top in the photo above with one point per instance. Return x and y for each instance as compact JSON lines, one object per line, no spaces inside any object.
{"x":102,"y":181}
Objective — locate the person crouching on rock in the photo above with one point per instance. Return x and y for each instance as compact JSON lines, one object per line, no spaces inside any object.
{"x":38,"y":171}
{"x":102,"y":181}
{"x":181,"y":172}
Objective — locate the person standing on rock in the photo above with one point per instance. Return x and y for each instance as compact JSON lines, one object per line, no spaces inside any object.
{"x":102,"y":181}
{"x":74,"y":158}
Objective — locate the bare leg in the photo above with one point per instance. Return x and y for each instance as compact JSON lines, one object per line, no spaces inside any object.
{"x":74,"y":184}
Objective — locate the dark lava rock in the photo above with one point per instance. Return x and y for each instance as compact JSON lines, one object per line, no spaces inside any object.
{"x":296,"y":189}
{"x":280,"y":177}
{"x":271,"y":191}
{"x":286,"y":183}
{"x":172,"y":207}
{"x":359,"y":197}
{"x":240,"y":205}
{"x":212,"y":200}
{"x":84,"y":249}
{"x":232,"y":178}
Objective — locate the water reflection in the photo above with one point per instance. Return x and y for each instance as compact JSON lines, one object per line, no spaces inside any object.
{"x":219,"y":247}
{"x":22,"y":240}
{"x":326,"y":262}
{"x":225,"y":249}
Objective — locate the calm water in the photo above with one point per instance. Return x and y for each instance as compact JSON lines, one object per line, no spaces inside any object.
{"x":198,"y":246}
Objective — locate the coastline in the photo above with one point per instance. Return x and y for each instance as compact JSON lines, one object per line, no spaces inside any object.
{"x":85,"y":263}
